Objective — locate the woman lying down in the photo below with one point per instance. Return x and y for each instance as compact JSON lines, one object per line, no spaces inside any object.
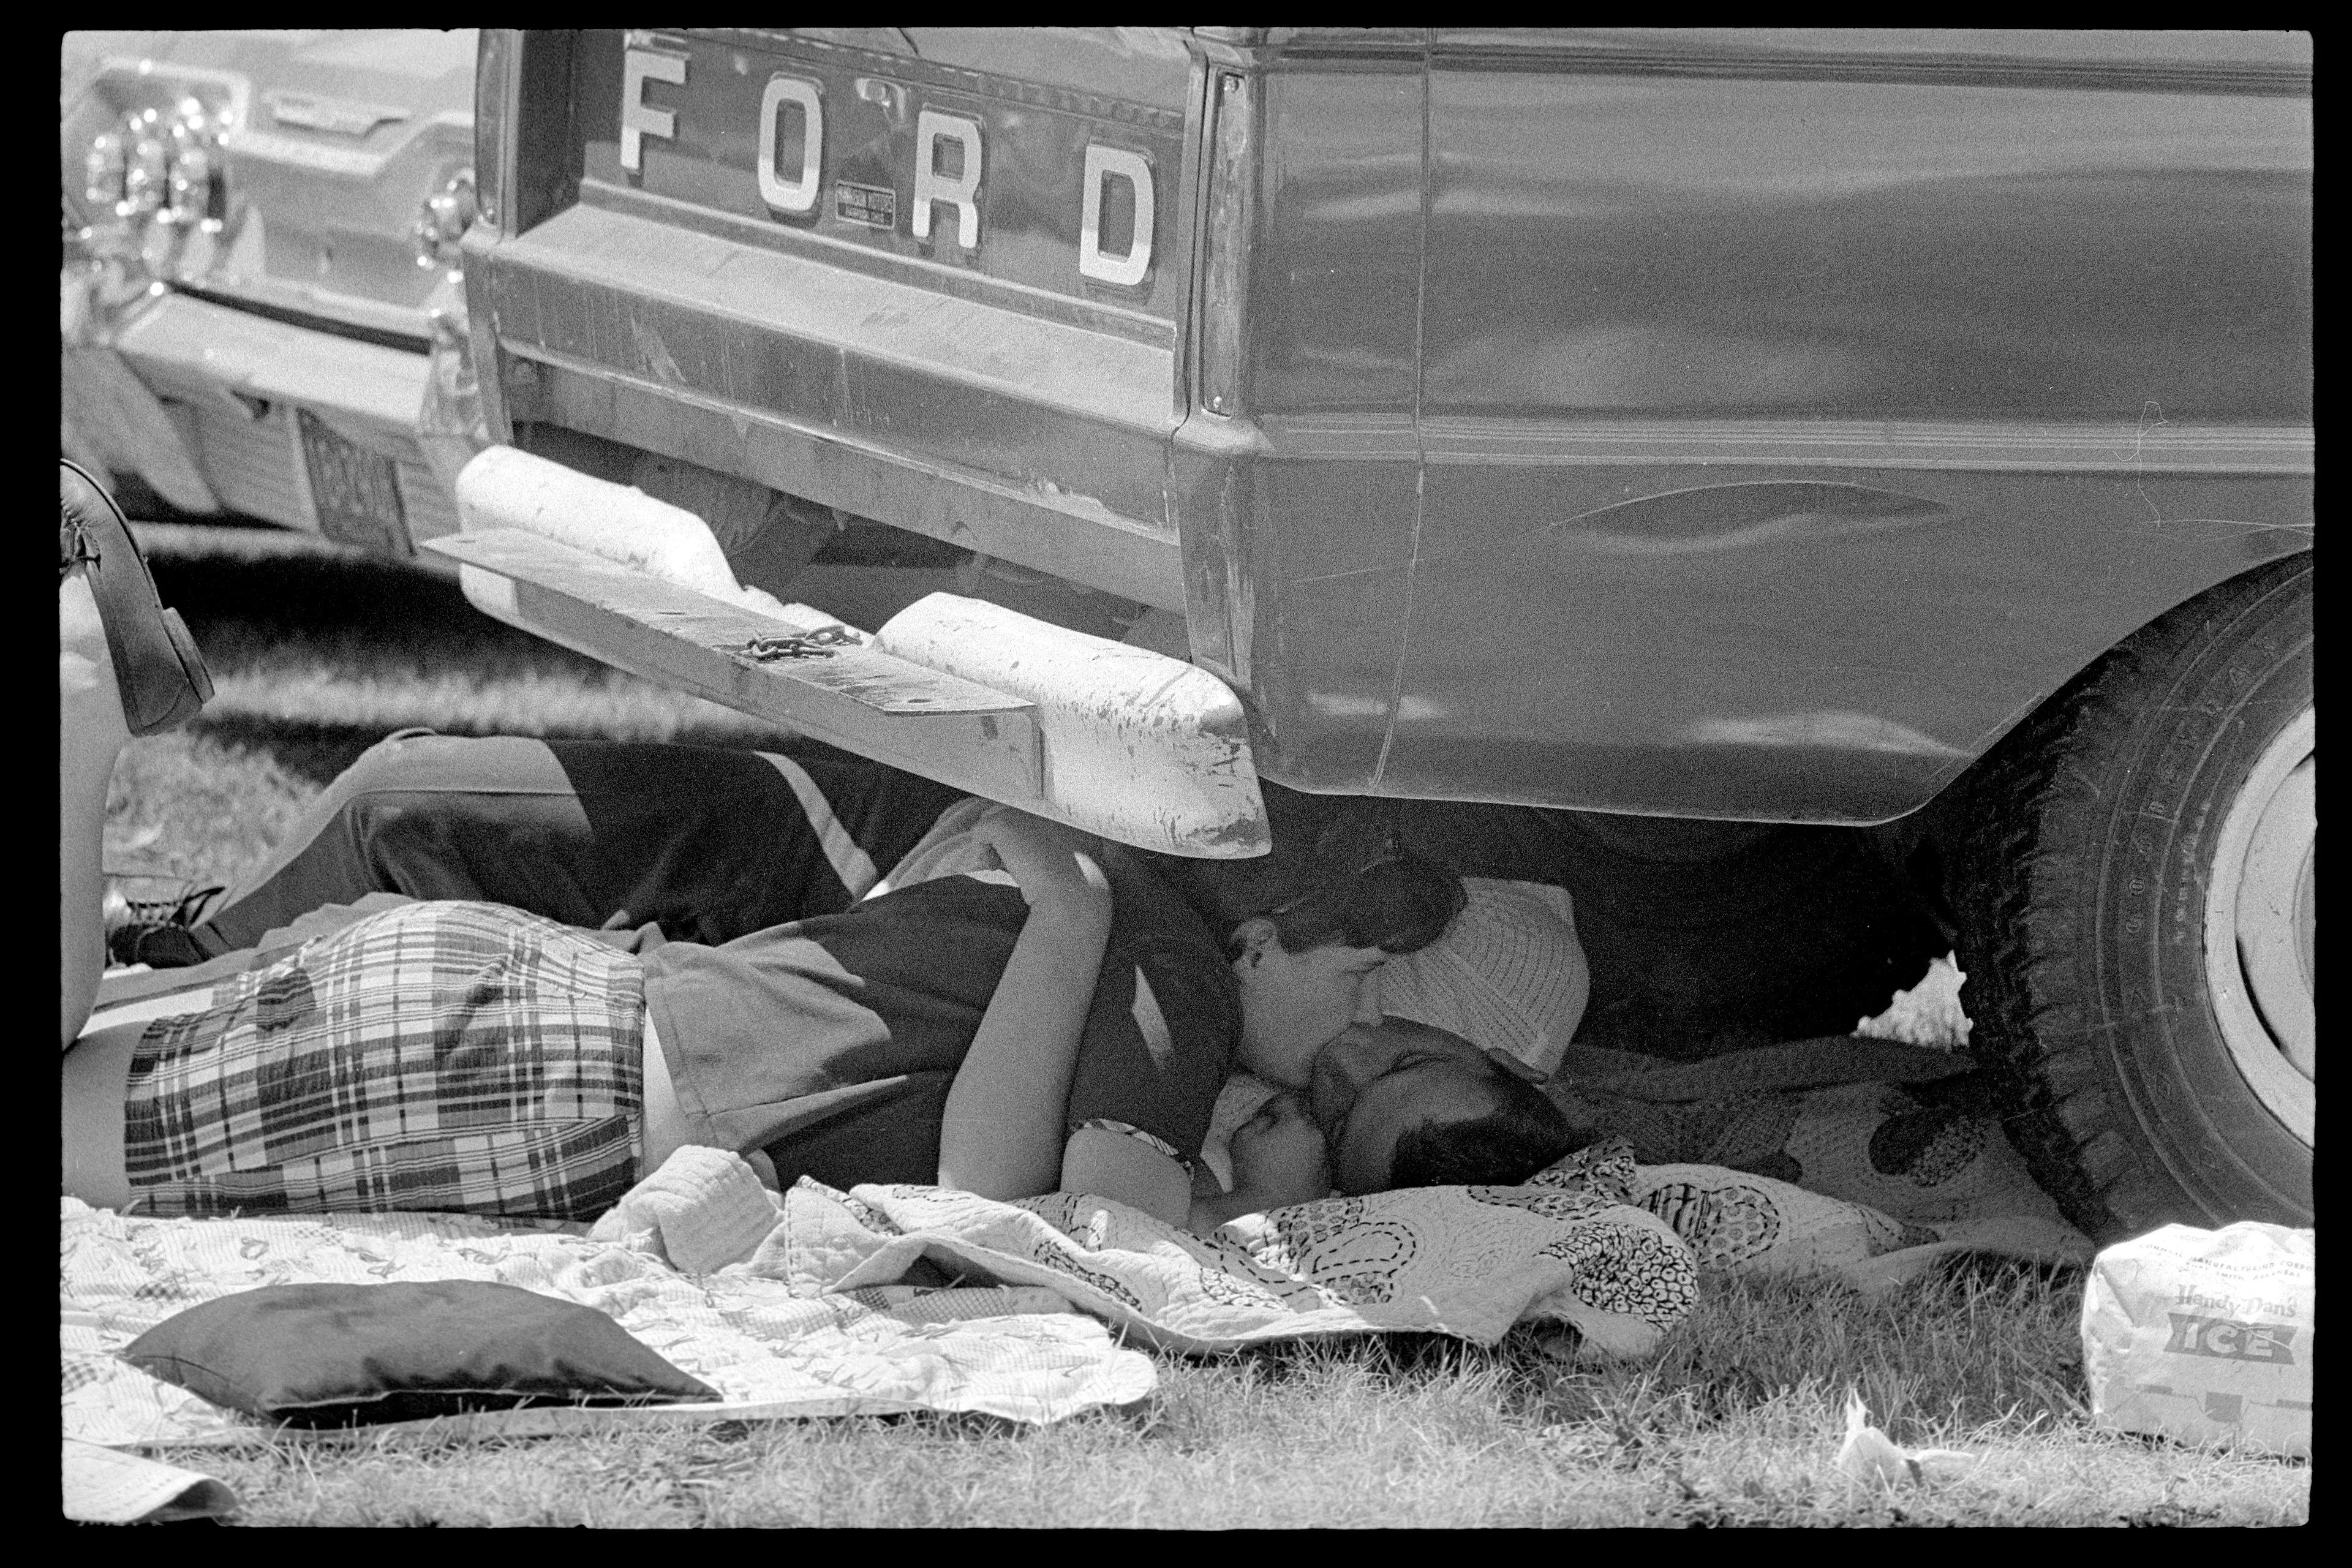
{"x":1021,"y":1010}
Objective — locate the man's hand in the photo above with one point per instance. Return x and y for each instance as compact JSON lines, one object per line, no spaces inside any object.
{"x":1052,"y":864}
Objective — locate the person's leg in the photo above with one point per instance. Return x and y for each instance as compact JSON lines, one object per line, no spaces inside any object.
{"x":873,"y":815}
{"x":773,"y":836}
{"x":429,"y":816}
{"x":92,"y":1080}
{"x":710,"y":843}
{"x":586,"y":833}
{"x":91,"y":732}
{"x":126,"y":666}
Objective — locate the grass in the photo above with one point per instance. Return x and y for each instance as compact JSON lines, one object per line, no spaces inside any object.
{"x":317,"y":653}
{"x":306,"y":636}
{"x":1736,"y":1422}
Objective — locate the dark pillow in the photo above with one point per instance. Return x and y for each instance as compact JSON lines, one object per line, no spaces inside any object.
{"x":338,"y":1355}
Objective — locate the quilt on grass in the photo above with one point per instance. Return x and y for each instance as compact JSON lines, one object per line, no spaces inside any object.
{"x":816,"y":1318}
{"x":890,"y":1298}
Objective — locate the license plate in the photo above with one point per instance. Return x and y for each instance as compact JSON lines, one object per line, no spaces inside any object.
{"x":355,"y":494}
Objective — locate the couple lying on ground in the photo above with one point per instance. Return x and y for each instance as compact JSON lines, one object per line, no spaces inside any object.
{"x":829,"y":967}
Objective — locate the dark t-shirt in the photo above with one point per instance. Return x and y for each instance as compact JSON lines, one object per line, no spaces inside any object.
{"x":831,"y":1042}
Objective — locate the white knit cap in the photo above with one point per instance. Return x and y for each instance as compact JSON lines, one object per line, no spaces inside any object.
{"x":1508,"y":971}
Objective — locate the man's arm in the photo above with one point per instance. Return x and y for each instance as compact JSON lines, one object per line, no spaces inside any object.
{"x":1000,"y":1130}
{"x":1114,"y":1165}
{"x":1208,"y":1214}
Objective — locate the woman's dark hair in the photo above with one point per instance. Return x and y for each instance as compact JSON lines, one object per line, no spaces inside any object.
{"x":1399,"y":903}
{"x":1524,"y":1134}
{"x":1360,"y":890}
{"x":1353,"y":885}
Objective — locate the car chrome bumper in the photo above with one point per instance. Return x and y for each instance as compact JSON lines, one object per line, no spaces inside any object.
{"x":1113,"y":740}
{"x":230,"y":384}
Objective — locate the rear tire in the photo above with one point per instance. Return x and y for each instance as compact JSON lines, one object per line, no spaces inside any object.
{"x":2135,"y":896}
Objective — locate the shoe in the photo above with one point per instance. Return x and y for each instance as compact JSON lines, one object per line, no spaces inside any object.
{"x":157,"y":668}
{"x":157,"y":932}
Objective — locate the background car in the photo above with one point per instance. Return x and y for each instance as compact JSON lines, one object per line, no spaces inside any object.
{"x":257,"y":307}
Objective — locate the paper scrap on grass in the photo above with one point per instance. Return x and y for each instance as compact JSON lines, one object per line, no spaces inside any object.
{"x":103,"y":1487}
{"x":1870,"y":1455}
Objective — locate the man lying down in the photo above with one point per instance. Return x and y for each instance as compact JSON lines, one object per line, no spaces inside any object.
{"x":832,"y":968}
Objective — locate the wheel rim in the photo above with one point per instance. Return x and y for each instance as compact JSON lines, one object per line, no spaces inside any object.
{"x":2260,"y":927}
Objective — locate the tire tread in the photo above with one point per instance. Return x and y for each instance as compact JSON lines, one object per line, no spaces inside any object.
{"x":2023,"y":893}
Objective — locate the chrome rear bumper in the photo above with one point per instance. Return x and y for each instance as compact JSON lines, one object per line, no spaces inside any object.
{"x":225,"y":384}
{"x":1112,"y":739}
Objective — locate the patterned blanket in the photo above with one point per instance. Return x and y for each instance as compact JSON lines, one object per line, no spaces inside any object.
{"x":888,"y":1298}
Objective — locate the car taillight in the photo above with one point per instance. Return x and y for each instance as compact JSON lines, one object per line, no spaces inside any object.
{"x":149,"y":169}
{"x":102,"y":170}
{"x":442,"y":219}
{"x":495,"y":57}
{"x":196,"y":189}
{"x":161,"y":164}
{"x":1226,"y":281}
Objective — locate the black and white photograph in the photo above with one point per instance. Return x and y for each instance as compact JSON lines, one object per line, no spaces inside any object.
{"x":1187,"y":778}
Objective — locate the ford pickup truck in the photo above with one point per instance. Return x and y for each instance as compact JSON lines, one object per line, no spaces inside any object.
{"x":1903,"y":430}
{"x":258,"y":306}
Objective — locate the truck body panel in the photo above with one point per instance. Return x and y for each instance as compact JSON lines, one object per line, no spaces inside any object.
{"x":1738,"y":424}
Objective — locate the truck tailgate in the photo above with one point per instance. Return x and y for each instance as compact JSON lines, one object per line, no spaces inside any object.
{"x":961,"y":318}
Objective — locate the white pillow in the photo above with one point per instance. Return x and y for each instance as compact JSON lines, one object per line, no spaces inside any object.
{"x":1509,"y":972}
